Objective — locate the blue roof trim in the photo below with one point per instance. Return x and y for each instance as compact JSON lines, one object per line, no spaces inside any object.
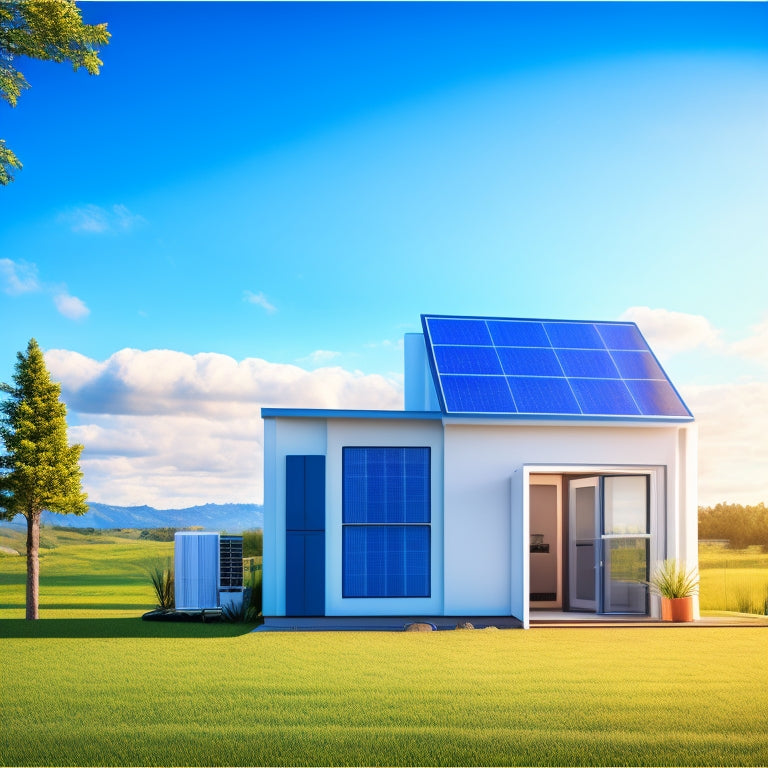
{"x":329,"y":413}
{"x":520,"y":418}
{"x":506,"y":408}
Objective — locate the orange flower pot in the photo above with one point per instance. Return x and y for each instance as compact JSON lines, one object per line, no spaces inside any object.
{"x":677,"y":609}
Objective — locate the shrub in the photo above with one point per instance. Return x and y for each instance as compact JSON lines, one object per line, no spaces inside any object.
{"x":672,"y":579}
{"x":253,"y":543}
{"x":161,"y":575}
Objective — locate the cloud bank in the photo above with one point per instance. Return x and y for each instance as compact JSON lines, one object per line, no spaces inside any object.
{"x":170,"y":429}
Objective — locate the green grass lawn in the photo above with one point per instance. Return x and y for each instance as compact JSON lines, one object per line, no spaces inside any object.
{"x":91,"y":684}
{"x":207,"y":695}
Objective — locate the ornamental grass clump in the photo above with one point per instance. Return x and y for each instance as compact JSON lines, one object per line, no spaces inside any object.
{"x":672,"y":579}
{"x":162,"y":581}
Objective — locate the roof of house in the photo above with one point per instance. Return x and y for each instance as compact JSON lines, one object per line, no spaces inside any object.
{"x":543,"y":369}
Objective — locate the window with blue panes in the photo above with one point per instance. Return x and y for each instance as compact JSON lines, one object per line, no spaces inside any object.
{"x":386,"y":517}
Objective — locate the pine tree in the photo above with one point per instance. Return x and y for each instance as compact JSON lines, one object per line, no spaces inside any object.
{"x":39,"y":469}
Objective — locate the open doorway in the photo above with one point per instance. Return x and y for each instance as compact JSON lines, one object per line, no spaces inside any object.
{"x":590,"y":542}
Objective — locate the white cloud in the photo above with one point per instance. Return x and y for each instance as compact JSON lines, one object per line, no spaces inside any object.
{"x":18,"y":277}
{"x":93,"y":219}
{"x":170,"y":429}
{"x":754,"y":347}
{"x":670,"y":332}
{"x":71,"y":306}
{"x":260,"y":299}
{"x":733,"y":450}
{"x":319,"y":357}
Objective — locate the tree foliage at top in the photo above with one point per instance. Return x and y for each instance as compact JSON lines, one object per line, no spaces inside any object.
{"x":48,"y":30}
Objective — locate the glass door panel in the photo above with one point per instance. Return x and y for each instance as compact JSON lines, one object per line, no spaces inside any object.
{"x":625,"y":568}
{"x":625,"y":504}
{"x":583,"y":543}
{"x":625,"y":543}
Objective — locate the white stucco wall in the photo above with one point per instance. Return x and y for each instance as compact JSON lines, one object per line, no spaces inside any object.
{"x":482,"y":495}
{"x":290,"y":437}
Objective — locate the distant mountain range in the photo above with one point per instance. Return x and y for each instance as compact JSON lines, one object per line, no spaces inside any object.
{"x":232,"y":518}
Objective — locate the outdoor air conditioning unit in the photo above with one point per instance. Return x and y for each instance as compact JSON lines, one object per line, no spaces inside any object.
{"x":208,"y":571}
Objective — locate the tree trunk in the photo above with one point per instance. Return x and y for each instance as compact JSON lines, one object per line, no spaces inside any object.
{"x":33,"y":564}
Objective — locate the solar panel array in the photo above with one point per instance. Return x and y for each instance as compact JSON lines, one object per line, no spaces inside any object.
{"x":573,"y":369}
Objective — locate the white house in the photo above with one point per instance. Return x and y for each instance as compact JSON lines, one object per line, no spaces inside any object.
{"x":538,"y":464}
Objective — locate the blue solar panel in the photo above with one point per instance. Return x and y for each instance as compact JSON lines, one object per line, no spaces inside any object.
{"x":529,"y":362}
{"x":657,"y":397}
{"x":621,"y":336}
{"x":637,"y":365}
{"x":604,"y":397}
{"x":518,"y":333}
{"x":468,"y":360}
{"x":543,"y":395}
{"x":509,"y":366}
{"x":477,"y":394}
{"x":461,"y":331}
{"x":587,"y":363}
{"x":574,"y":336}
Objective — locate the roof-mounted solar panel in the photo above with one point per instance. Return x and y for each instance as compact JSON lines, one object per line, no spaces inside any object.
{"x":547,"y":368}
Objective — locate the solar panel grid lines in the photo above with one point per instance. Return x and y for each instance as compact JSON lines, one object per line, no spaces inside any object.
{"x":576,"y":369}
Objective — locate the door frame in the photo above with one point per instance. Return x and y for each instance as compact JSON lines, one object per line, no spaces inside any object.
{"x":520,"y":518}
{"x":557,"y":481}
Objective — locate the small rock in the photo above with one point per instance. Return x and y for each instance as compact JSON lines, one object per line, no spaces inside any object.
{"x":465,"y":625}
{"x":419,"y":626}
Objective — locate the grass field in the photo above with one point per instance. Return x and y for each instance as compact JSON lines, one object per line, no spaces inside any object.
{"x":91,"y":684}
{"x":733,"y":580}
{"x":100,"y":574}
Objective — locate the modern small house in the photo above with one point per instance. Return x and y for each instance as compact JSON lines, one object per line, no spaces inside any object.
{"x":538,"y":465}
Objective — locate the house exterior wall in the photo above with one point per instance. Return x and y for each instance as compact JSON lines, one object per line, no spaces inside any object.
{"x":486,"y":488}
{"x":479,"y":492}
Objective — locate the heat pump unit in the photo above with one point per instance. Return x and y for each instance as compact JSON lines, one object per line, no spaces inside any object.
{"x":208,"y":570}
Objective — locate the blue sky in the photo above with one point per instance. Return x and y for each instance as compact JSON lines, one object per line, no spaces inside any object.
{"x":253,"y":202}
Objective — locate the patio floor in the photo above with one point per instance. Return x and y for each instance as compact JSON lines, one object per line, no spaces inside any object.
{"x":539,"y":619}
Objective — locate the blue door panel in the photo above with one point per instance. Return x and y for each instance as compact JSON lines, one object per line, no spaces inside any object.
{"x":294,"y":573}
{"x":314,"y":573}
{"x":314,"y":493}
{"x":294,"y":493}
{"x":305,"y":535}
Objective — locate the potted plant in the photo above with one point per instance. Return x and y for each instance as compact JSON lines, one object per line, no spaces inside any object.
{"x":676,"y":584}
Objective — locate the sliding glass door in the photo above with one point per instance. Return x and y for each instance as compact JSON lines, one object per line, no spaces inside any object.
{"x":609,"y":543}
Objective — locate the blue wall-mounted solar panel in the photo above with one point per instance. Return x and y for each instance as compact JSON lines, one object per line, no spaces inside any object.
{"x":547,"y":368}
